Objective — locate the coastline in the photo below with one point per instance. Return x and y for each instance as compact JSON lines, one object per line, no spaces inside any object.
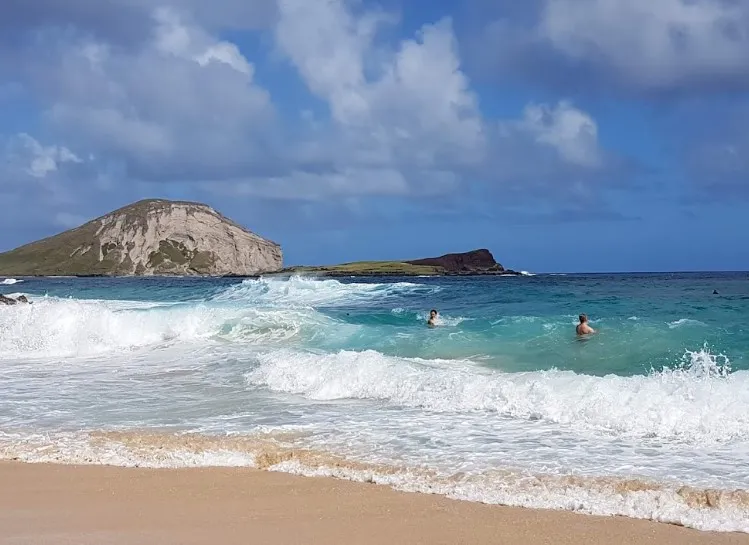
{"x":117,"y":505}
{"x":289,"y":272}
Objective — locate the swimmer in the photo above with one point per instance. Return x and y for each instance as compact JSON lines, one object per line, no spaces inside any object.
{"x":583,"y":328}
{"x":432,"y":321}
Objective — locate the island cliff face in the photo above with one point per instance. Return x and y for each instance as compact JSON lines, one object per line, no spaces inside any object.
{"x":476,"y":261}
{"x":147,"y":238}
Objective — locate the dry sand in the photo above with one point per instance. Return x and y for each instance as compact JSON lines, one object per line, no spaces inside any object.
{"x":60,"y":505}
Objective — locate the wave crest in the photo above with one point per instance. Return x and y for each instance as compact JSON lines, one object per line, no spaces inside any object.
{"x":699,"y":401}
{"x":54,"y":327}
{"x":300,"y":291}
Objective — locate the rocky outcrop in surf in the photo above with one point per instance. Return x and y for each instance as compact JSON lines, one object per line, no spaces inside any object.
{"x":4,"y":300}
{"x":147,"y":238}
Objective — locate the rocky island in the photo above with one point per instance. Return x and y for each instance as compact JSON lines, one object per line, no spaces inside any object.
{"x":475,"y":262}
{"x":149,"y":238}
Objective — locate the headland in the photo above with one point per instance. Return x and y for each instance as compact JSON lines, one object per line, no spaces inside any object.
{"x":474,"y":263}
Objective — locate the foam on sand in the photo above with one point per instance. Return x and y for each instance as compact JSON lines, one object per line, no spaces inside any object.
{"x":704,"y":509}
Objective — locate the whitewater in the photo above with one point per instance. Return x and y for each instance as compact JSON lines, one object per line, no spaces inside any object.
{"x":500,"y":403}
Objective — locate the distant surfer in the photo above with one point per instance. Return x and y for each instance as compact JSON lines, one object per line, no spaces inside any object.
{"x":583,"y":328}
{"x":432,"y":321}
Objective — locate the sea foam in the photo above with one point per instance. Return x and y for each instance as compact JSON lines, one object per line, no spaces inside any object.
{"x":53,"y":327}
{"x":665,"y":445}
{"x":704,"y":509}
{"x":254,"y":311}
{"x":698,"y":401}
{"x":300,"y":291}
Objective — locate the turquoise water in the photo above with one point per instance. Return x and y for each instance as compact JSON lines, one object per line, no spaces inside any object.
{"x":500,"y":403}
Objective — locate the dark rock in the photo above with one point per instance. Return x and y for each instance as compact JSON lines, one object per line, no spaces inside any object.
{"x":472,"y":262}
{"x":4,"y":300}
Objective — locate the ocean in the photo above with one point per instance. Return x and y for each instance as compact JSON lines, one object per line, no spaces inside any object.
{"x":500,"y":403}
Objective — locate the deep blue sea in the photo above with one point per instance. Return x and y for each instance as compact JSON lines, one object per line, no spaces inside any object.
{"x":500,"y":403}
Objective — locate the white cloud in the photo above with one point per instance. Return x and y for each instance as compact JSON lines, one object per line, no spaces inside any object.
{"x":570,"y":131}
{"x":656,"y":44}
{"x":181,"y":105}
{"x":173,"y":37}
{"x":410,"y":109}
{"x":413,"y":104}
{"x":183,"y":101}
{"x":43,"y":160}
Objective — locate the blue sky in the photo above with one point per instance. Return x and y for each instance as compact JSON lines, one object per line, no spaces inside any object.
{"x":564,"y":135}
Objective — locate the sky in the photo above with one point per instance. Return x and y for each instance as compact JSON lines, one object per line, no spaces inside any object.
{"x":563,"y":135}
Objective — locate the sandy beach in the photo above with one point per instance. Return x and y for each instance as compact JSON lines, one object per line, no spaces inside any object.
{"x":82,"y":505}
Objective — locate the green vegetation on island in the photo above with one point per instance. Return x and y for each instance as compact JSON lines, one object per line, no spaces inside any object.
{"x":476,"y":262}
{"x":149,"y":237}
{"x":177,"y":238}
{"x":368,"y":268}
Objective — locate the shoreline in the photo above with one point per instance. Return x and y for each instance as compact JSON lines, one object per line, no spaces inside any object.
{"x":287,"y":273}
{"x":118,"y":505}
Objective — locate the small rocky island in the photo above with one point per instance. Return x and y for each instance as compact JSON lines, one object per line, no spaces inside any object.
{"x":149,"y":238}
{"x":473,"y":263}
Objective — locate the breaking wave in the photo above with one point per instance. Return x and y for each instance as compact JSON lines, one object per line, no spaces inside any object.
{"x":10,"y":281}
{"x":255,"y":311}
{"x":698,"y":401}
{"x":300,"y":291}
{"x":68,"y":327}
{"x":298,"y":353}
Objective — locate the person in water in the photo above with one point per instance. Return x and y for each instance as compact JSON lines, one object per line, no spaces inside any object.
{"x":432,"y":321}
{"x":583,"y":328}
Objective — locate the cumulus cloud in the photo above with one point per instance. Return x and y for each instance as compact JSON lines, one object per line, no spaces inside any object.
{"x":571,"y":132}
{"x":176,"y":102}
{"x":669,"y":45}
{"x":413,"y":105}
{"x":41,"y":160}
{"x":405,"y":118}
{"x":692,"y":50}
{"x":175,"y":107}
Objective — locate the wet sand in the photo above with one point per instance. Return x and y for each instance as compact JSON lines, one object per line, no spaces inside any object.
{"x":86,"y":505}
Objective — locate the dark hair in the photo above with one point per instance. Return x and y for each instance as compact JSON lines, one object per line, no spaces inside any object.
{"x":433,"y":310}
{"x":583,"y":318}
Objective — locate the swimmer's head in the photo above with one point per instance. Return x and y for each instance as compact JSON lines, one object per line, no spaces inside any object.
{"x":433,"y":313}
{"x":583,"y":318}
